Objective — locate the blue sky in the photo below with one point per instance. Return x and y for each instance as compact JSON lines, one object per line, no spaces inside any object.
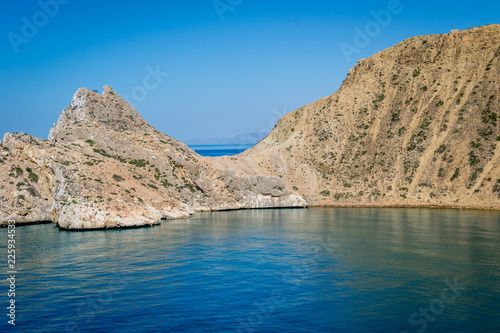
{"x":233,"y":67}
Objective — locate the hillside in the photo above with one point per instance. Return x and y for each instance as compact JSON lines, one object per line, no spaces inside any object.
{"x":414,"y":125}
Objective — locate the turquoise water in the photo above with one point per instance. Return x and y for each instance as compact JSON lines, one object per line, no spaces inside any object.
{"x":292,"y":270}
{"x":220,"y":150}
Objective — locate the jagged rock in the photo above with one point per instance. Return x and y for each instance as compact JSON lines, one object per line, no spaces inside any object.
{"x":105,"y":167}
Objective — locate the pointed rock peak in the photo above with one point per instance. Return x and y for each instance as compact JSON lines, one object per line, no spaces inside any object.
{"x":90,"y":109}
{"x":109,"y":91}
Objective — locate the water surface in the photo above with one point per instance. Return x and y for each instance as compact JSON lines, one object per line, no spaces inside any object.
{"x":220,"y":150}
{"x":296,"y":270}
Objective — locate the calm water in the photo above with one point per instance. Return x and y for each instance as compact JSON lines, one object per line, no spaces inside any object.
{"x":310,"y":270}
{"x":220,"y":150}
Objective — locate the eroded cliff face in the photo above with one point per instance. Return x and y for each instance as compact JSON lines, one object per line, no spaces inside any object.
{"x":414,"y":125}
{"x":104,"y":167}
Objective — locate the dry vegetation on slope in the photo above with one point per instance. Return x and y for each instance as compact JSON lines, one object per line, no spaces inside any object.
{"x":414,"y":125}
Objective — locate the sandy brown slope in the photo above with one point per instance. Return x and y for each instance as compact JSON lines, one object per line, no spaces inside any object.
{"x":414,"y":125}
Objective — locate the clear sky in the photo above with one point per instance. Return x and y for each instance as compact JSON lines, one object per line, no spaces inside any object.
{"x":233,"y":65}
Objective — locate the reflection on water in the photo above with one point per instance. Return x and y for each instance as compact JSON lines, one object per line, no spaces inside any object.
{"x":297,"y":270}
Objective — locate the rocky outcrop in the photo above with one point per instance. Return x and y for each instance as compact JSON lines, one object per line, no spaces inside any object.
{"x":25,"y":194}
{"x":105,"y":167}
{"x":416,"y":125}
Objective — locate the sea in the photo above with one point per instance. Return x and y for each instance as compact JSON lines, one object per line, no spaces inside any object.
{"x":220,"y":150}
{"x":288,"y":270}
{"x":271,"y":270}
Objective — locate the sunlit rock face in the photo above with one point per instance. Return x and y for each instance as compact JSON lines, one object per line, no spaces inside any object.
{"x":104,"y":166}
{"x":414,"y":125}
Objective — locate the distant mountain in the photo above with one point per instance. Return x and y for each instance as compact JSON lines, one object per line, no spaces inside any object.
{"x":242,"y":139}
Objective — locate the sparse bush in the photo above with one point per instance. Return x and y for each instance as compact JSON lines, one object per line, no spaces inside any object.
{"x":325,"y":193}
{"x":455,"y":174}
{"x":496,"y":188}
{"x":32,"y":192}
{"x":395,"y":116}
{"x":165,"y":183}
{"x":33,"y":177}
{"x":441,"y":172}
{"x":473,"y":159}
{"x":485,"y":133}
{"x":139,"y":163}
{"x":474,"y":176}
{"x":441,"y":149}
{"x":118,"y":178}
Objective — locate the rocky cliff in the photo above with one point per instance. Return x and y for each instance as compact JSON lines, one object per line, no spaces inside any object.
{"x":104,"y":166}
{"x":414,"y":125}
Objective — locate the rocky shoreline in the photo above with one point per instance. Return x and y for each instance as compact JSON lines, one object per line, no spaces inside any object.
{"x":414,"y":126}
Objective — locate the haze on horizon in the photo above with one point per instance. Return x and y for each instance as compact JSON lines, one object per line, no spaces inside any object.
{"x":207,"y":68}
